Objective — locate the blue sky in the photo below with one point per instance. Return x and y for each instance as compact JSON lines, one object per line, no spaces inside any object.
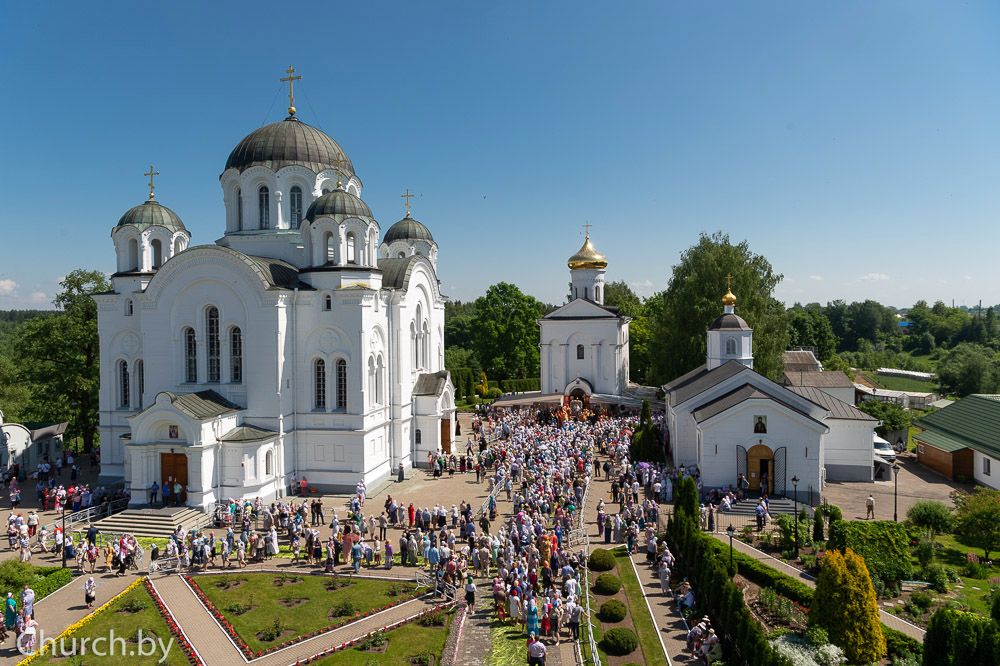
{"x":854,"y":144}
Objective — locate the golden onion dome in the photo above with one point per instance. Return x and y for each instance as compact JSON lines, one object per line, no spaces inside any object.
{"x":587,"y":257}
{"x":729,"y":299}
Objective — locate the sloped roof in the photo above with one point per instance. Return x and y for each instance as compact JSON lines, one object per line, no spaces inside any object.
{"x":733,"y":398}
{"x":248,"y":434}
{"x":826,"y":379}
{"x":700,"y":380}
{"x":941,"y":441}
{"x":431,"y":383}
{"x":201,"y":405}
{"x":975,"y":419}
{"x":577,"y":309}
{"x":396,"y":271}
{"x":838,"y":408}
{"x":799,"y":357}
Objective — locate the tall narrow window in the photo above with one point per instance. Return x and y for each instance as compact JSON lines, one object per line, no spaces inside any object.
{"x":379,"y":382}
{"x":597,"y":294}
{"x":319,"y":384}
{"x":731,"y":347}
{"x":351,"y":256}
{"x":236,"y":355}
{"x":341,"y":384}
{"x":416,"y":436}
{"x":327,"y":302}
{"x":123,"y":388}
{"x":239,"y":209}
{"x":295,"y":196}
{"x":212,"y":333}
{"x":413,"y":345}
{"x":425,"y":346}
{"x":264,"y":207}
{"x":128,"y":308}
{"x":269,"y":463}
{"x":371,"y":381}
{"x":328,"y":244}
{"x":133,"y":255}
{"x":140,"y":379}
{"x":579,"y":352}
{"x":190,"y":356}
{"x":157,"y":249}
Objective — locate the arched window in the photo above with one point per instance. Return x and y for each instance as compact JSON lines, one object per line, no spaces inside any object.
{"x":327,"y":302}
{"x":731,"y":347}
{"x":264,"y":207}
{"x":190,"y":356}
{"x":295,"y":206}
{"x":133,"y":255}
{"x":269,"y":463}
{"x":239,"y":209}
{"x":380,"y":381}
{"x":319,"y":384}
{"x":178,"y":245}
{"x":413,"y":343}
{"x":128,"y":307}
{"x":329,"y":244}
{"x":157,"y":248}
{"x":123,"y":388}
{"x":371,"y":381}
{"x":236,"y":355}
{"x":140,"y":379}
{"x":586,"y":294}
{"x":597,"y":293}
{"x":579,"y":352}
{"x":212,"y":334}
{"x":416,"y":435}
{"x":351,"y":256}
{"x":341,"y":384}
{"x":425,"y":346}
{"x":402,"y":255}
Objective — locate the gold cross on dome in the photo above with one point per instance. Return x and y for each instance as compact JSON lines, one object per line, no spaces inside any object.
{"x":291,"y":78}
{"x":406,"y":195}
{"x":586,"y":228}
{"x":729,"y":282}
{"x":152,"y":172}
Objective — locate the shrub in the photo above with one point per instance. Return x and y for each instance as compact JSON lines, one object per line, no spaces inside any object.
{"x":619,"y":641}
{"x":612,"y":610}
{"x":607,"y":584}
{"x":435,"y":619}
{"x":884,"y":545}
{"x":900,"y":646}
{"x":960,"y":638}
{"x":344,"y":609}
{"x":817,"y":636}
{"x":936,"y":577}
{"x":43,"y":580}
{"x":818,"y":534}
{"x":601,"y":559}
{"x":844,"y":604}
{"x":930,"y":515}
{"x":925,"y":551}
{"x":922,"y":600}
{"x":831,"y":511}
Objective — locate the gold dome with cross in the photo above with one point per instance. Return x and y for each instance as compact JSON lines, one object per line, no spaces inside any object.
{"x":587,"y":256}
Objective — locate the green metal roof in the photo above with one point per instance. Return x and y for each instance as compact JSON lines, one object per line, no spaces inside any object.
{"x":975,"y":420}
{"x":408,"y":229}
{"x":149,"y":214}
{"x":941,"y":441}
{"x":248,"y":434}
{"x":289,"y":142}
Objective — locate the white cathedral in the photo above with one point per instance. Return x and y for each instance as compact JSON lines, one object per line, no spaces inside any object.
{"x":297,"y":345}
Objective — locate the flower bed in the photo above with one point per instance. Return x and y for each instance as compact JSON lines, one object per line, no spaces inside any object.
{"x":168,"y":617}
{"x":229,"y":625}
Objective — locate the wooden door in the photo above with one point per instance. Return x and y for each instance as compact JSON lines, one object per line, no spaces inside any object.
{"x":446,"y":436}
{"x":173,"y":466}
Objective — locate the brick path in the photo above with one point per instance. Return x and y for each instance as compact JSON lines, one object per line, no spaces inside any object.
{"x":888,"y":619}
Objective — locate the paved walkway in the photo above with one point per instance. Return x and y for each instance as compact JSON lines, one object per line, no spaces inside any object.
{"x":669,"y":624}
{"x":888,"y":619}
{"x":65,"y":606}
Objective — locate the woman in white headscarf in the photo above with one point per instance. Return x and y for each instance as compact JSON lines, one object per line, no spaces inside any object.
{"x":90,"y":592}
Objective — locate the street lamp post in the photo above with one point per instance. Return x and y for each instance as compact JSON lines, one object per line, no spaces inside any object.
{"x":64,"y":535}
{"x":895,"y":492}
{"x":730,"y":531}
{"x":795,"y":496}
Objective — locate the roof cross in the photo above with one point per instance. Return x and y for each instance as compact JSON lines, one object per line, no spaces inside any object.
{"x":291,"y":78}
{"x":587,"y":228}
{"x":406,"y":195}
{"x":152,"y":172}
{"x":729,"y":282}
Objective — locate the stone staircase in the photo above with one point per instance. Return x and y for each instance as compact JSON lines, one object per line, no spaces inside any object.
{"x":153,"y":522}
{"x":775,"y":506}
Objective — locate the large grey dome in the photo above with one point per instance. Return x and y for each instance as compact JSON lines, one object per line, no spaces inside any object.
{"x":289,"y":142}
{"x":152,"y":213}
{"x":408,"y":229}
{"x":338,"y":202}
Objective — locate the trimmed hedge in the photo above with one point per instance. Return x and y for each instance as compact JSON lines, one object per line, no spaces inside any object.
{"x":957,"y":638}
{"x":612,"y":610}
{"x":43,"y":580}
{"x":884,"y":545}
{"x":765,"y":576}
{"x":601,"y":559}
{"x":620,"y":641}
{"x":607,"y":584}
{"x":521,"y":385}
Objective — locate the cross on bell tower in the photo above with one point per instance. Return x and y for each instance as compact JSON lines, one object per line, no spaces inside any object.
{"x":406,"y":195}
{"x":291,"y":78}
{"x":151,"y":173}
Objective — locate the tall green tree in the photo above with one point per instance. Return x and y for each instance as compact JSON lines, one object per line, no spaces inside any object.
{"x":505,"y":332}
{"x":59,"y":358}
{"x":692,"y":301}
{"x":977,"y":518}
{"x":619,"y":295}
{"x":969,"y":368}
{"x":809,"y":327}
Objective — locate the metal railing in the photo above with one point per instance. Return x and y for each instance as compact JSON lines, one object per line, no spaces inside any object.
{"x":89,"y":515}
{"x":595,"y":656}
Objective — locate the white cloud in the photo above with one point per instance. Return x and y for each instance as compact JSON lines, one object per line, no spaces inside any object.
{"x":817,"y":278}
{"x":8,"y":287}
{"x":874,"y":277}
{"x":39,"y":297}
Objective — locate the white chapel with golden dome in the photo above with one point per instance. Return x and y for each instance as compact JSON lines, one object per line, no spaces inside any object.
{"x":584,"y":344}
{"x":298,"y":344}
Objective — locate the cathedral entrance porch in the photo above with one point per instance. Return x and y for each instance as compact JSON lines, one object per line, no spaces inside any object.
{"x":174,"y":470}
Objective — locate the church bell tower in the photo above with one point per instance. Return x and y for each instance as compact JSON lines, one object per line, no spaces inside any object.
{"x":586,"y":269}
{"x":730,"y":338}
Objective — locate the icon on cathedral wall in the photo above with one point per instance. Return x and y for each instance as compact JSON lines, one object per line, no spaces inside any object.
{"x":173,"y":432}
{"x":760,"y":425}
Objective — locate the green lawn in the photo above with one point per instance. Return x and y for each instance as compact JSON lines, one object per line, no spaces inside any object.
{"x":904,"y":383}
{"x":405,"y":643}
{"x":125,"y":624}
{"x":952,"y":554}
{"x":649,"y":640}
{"x":299,"y":603}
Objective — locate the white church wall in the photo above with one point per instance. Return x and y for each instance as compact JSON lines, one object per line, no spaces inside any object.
{"x":848,"y":453}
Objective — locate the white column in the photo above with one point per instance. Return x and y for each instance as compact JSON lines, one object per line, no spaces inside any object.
{"x":546,"y":384}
